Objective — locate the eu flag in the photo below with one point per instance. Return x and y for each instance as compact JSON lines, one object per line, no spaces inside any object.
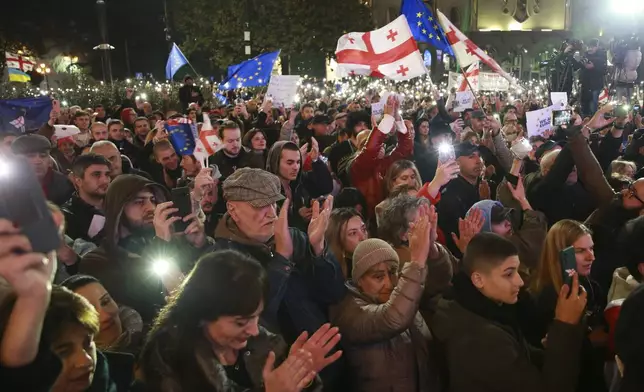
{"x":24,"y":114}
{"x":424,"y":26}
{"x":176,"y":60}
{"x":181,"y":135}
{"x":251,"y":73}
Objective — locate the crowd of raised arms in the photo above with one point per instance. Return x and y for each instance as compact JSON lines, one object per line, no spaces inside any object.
{"x":328,"y":249}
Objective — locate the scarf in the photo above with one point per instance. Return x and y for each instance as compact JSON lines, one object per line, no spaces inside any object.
{"x":469,"y":297}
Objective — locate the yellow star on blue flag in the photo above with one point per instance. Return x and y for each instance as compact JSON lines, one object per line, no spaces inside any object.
{"x":251,"y":73}
{"x":422,"y":26}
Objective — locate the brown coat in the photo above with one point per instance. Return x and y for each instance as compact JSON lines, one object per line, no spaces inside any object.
{"x":387,"y":345}
{"x":438,"y":279}
{"x":485,"y":356}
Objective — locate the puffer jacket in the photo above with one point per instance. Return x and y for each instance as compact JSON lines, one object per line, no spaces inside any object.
{"x":168,"y":368}
{"x":367,"y":171}
{"x":123,"y":262}
{"x":387,"y":345}
{"x":628,"y":73}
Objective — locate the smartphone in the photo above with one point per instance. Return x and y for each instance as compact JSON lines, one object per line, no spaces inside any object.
{"x":446,"y":152}
{"x":182,"y":201}
{"x":568,"y":261}
{"x":561,"y":117}
{"x":636,"y":110}
{"x":23,"y":202}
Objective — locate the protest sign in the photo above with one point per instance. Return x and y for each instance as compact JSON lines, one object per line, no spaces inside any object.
{"x":559,"y":100}
{"x":464,"y":100}
{"x":283,"y":89}
{"x":539,"y":121}
{"x":488,"y":81}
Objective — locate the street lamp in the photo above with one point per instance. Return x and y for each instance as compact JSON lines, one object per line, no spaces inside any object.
{"x":44,"y":70}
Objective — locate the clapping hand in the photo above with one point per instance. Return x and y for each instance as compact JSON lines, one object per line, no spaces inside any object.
{"x":468,"y":228}
{"x":293,"y":375}
{"x":283,"y":240}
{"x":319,"y":345}
{"x":420,"y":237}
{"x":319,"y":223}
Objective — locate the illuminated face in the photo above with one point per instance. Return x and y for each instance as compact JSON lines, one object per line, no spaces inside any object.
{"x":142,"y":128}
{"x":99,"y":132}
{"x":139,"y":212}
{"x":258,"y":142}
{"x":290,"y":162}
{"x":95,"y":181}
{"x":190,"y":165}
{"x":233,"y":332}
{"x":307,"y":113}
{"x":501,"y":283}
{"x":108,"y":312}
{"x":116,"y":132}
{"x":113,"y":155}
{"x":407,"y":177}
{"x":76,"y":349}
{"x":167,"y":158}
{"x":354,"y":232}
{"x":379,"y":281}
{"x":82,"y":123}
{"x":423,"y":128}
{"x":584,"y":254}
{"x":255,"y":223}
{"x":232,"y":141}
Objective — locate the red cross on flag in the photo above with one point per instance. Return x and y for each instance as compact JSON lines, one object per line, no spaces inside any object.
{"x":208,"y":142}
{"x":472,"y":75}
{"x":389,"y":52}
{"x":18,"y":61}
{"x":466,"y":51}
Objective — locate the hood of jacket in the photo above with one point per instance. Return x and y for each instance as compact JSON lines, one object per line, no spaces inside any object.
{"x":622,"y":285}
{"x":486,"y":208}
{"x":123,"y":189}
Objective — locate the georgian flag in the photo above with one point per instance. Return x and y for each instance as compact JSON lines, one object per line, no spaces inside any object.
{"x":472,"y":75}
{"x":466,"y":51}
{"x":389,"y":52}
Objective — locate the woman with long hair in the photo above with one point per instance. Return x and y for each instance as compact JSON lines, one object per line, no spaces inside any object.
{"x":208,"y":337}
{"x":401,"y":172}
{"x":345,"y":231}
{"x":421,"y":136}
{"x":546,"y":284}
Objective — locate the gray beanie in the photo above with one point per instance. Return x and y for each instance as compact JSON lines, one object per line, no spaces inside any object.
{"x":369,"y":253}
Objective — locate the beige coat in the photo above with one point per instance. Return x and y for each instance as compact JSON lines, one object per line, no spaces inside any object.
{"x":387,"y":345}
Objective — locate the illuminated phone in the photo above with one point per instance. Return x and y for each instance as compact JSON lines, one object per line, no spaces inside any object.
{"x":446,"y":152}
{"x":561,"y":117}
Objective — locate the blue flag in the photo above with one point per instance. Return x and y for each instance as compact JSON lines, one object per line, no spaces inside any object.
{"x":176,"y":60}
{"x":251,"y":73}
{"x":424,"y":26}
{"x":24,"y":114}
{"x":181,"y":135}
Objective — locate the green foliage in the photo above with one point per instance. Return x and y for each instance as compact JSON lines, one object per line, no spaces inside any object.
{"x":216,"y":28}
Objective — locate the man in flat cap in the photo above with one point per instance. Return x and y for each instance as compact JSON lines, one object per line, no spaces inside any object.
{"x":35,"y":148}
{"x":304,"y":278}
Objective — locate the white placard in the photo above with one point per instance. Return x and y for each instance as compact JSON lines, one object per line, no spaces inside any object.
{"x":559,"y":100}
{"x":539,"y":121}
{"x":283,"y":89}
{"x":488,"y":81}
{"x":464,"y":100}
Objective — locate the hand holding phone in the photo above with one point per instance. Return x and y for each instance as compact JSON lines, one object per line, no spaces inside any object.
{"x":183,"y":203}
{"x":568,"y":262}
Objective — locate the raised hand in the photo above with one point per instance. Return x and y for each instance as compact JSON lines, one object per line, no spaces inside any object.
{"x":518,"y":193}
{"x":303,"y":150}
{"x":293,"y":375}
{"x":283,"y":240}
{"x":445,"y":173}
{"x":319,"y":223}
{"x":315,"y":150}
{"x":468,"y":228}
{"x":195,"y":232}
{"x":420,"y":237}
{"x":599,"y":121}
{"x":571,"y":303}
{"x":484,"y":190}
{"x":163,"y":221}
{"x":203,"y":181}
{"x":319,"y":345}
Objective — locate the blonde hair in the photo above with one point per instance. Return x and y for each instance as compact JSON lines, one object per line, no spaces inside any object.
{"x":394,"y":171}
{"x":617,"y":166}
{"x":560,"y":236}
{"x":548,"y":160}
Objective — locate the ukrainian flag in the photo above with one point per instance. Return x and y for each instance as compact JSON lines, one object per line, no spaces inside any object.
{"x":16,"y":75}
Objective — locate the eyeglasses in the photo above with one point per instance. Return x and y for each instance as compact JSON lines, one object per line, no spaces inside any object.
{"x":633,"y":192}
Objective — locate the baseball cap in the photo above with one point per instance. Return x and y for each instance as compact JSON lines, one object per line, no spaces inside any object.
{"x":544,"y":148}
{"x":479,"y":114}
{"x":321,"y":119}
{"x":29,"y":144}
{"x":256,"y":187}
{"x":438,"y":126}
{"x":465,"y":149}
{"x":499,"y":213}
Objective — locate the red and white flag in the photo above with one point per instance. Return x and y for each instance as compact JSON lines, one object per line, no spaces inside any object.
{"x":207,"y":143}
{"x":466,"y":51}
{"x":472,"y":75}
{"x":604,"y":96}
{"x":389,"y":52}
{"x":19,"y":61}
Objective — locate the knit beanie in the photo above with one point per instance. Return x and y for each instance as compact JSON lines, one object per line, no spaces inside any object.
{"x":369,"y":253}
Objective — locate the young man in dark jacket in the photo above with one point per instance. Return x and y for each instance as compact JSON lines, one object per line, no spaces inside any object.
{"x":480,"y":333}
{"x":233,"y":156}
{"x":142,"y":258}
{"x":285,"y":161}
{"x":84,"y":211}
{"x":36,"y":148}
{"x":304,"y":277}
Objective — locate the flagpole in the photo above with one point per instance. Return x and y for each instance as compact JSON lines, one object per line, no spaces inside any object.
{"x":472,"y":90}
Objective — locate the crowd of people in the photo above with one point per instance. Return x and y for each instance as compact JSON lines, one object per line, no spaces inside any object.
{"x":330,"y":249}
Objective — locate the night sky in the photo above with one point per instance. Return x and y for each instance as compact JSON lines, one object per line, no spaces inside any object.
{"x":71,"y":26}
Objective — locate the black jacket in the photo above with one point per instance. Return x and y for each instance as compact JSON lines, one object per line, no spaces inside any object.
{"x":593,"y":79}
{"x":186,"y":98}
{"x":78,"y":219}
{"x":456,"y":199}
{"x":128,"y":149}
{"x":57,"y":187}
{"x":228,"y":165}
